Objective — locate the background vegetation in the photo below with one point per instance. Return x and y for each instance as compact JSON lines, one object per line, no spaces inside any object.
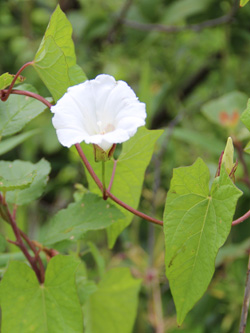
{"x":176,"y":74}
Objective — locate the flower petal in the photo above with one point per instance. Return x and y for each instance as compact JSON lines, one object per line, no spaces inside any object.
{"x":100,"y":111}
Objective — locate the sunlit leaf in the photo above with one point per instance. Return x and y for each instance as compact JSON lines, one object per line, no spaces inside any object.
{"x":53,"y":306}
{"x":197,"y":222}
{"x":55,"y":60}
{"x":6,"y":79}
{"x":243,"y":2}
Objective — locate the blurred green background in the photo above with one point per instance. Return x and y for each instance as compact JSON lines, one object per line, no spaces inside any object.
{"x":194,"y":83}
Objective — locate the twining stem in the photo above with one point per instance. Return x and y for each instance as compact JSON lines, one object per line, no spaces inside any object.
{"x":36,"y":253}
{"x":10,"y":218}
{"x":20,"y":244}
{"x":104,"y":191}
{"x":109,"y":194}
{"x":7,"y":92}
{"x":241,"y":219}
{"x":245,"y":305}
{"x":90,"y":169}
{"x":27,"y":93}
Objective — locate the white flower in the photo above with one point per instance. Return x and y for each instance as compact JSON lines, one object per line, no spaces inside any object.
{"x":100,"y":111}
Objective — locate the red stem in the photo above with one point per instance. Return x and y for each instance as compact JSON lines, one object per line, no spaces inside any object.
{"x":134,"y":211}
{"x":7,"y":92}
{"x":36,"y":253}
{"x":110,"y":195}
{"x":241,"y":219}
{"x":20,"y":244}
{"x":29,"y":94}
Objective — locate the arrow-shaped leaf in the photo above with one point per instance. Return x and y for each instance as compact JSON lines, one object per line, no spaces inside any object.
{"x":55,"y":60}
{"x":196,"y":224}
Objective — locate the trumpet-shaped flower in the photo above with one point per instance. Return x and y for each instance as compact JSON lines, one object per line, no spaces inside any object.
{"x":100,"y":111}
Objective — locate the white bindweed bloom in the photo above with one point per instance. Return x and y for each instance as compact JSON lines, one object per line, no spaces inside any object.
{"x":100,"y":111}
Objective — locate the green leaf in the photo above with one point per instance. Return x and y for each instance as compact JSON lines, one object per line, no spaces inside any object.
{"x":15,"y":183}
{"x":85,"y":287}
{"x":112,"y":308}
{"x":53,"y":306}
{"x":196,"y":224}
{"x":20,"y":169}
{"x":129,"y":175}
{"x":55,"y":60}
{"x":5,"y":258}
{"x":6,"y":79}
{"x":243,"y":2}
{"x":245,"y":117}
{"x":225,"y":111}
{"x":100,"y":262}
{"x":18,"y":110}
{"x":10,"y":143}
{"x":90,"y":213}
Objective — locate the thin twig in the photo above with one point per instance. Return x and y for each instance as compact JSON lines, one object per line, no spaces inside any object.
{"x":36,"y":253}
{"x":194,"y":27}
{"x":9,"y":218}
{"x":26,"y":93}
{"x":134,"y":211}
{"x":20,"y":244}
{"x":241,"y":219}
{"x":110,"y":195}
{"x":245,"y":305}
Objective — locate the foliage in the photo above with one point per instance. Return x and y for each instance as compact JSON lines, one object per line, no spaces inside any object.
{"x":58,"y":295}
{"x":197,"y":224}
{"x":72,"y":278}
